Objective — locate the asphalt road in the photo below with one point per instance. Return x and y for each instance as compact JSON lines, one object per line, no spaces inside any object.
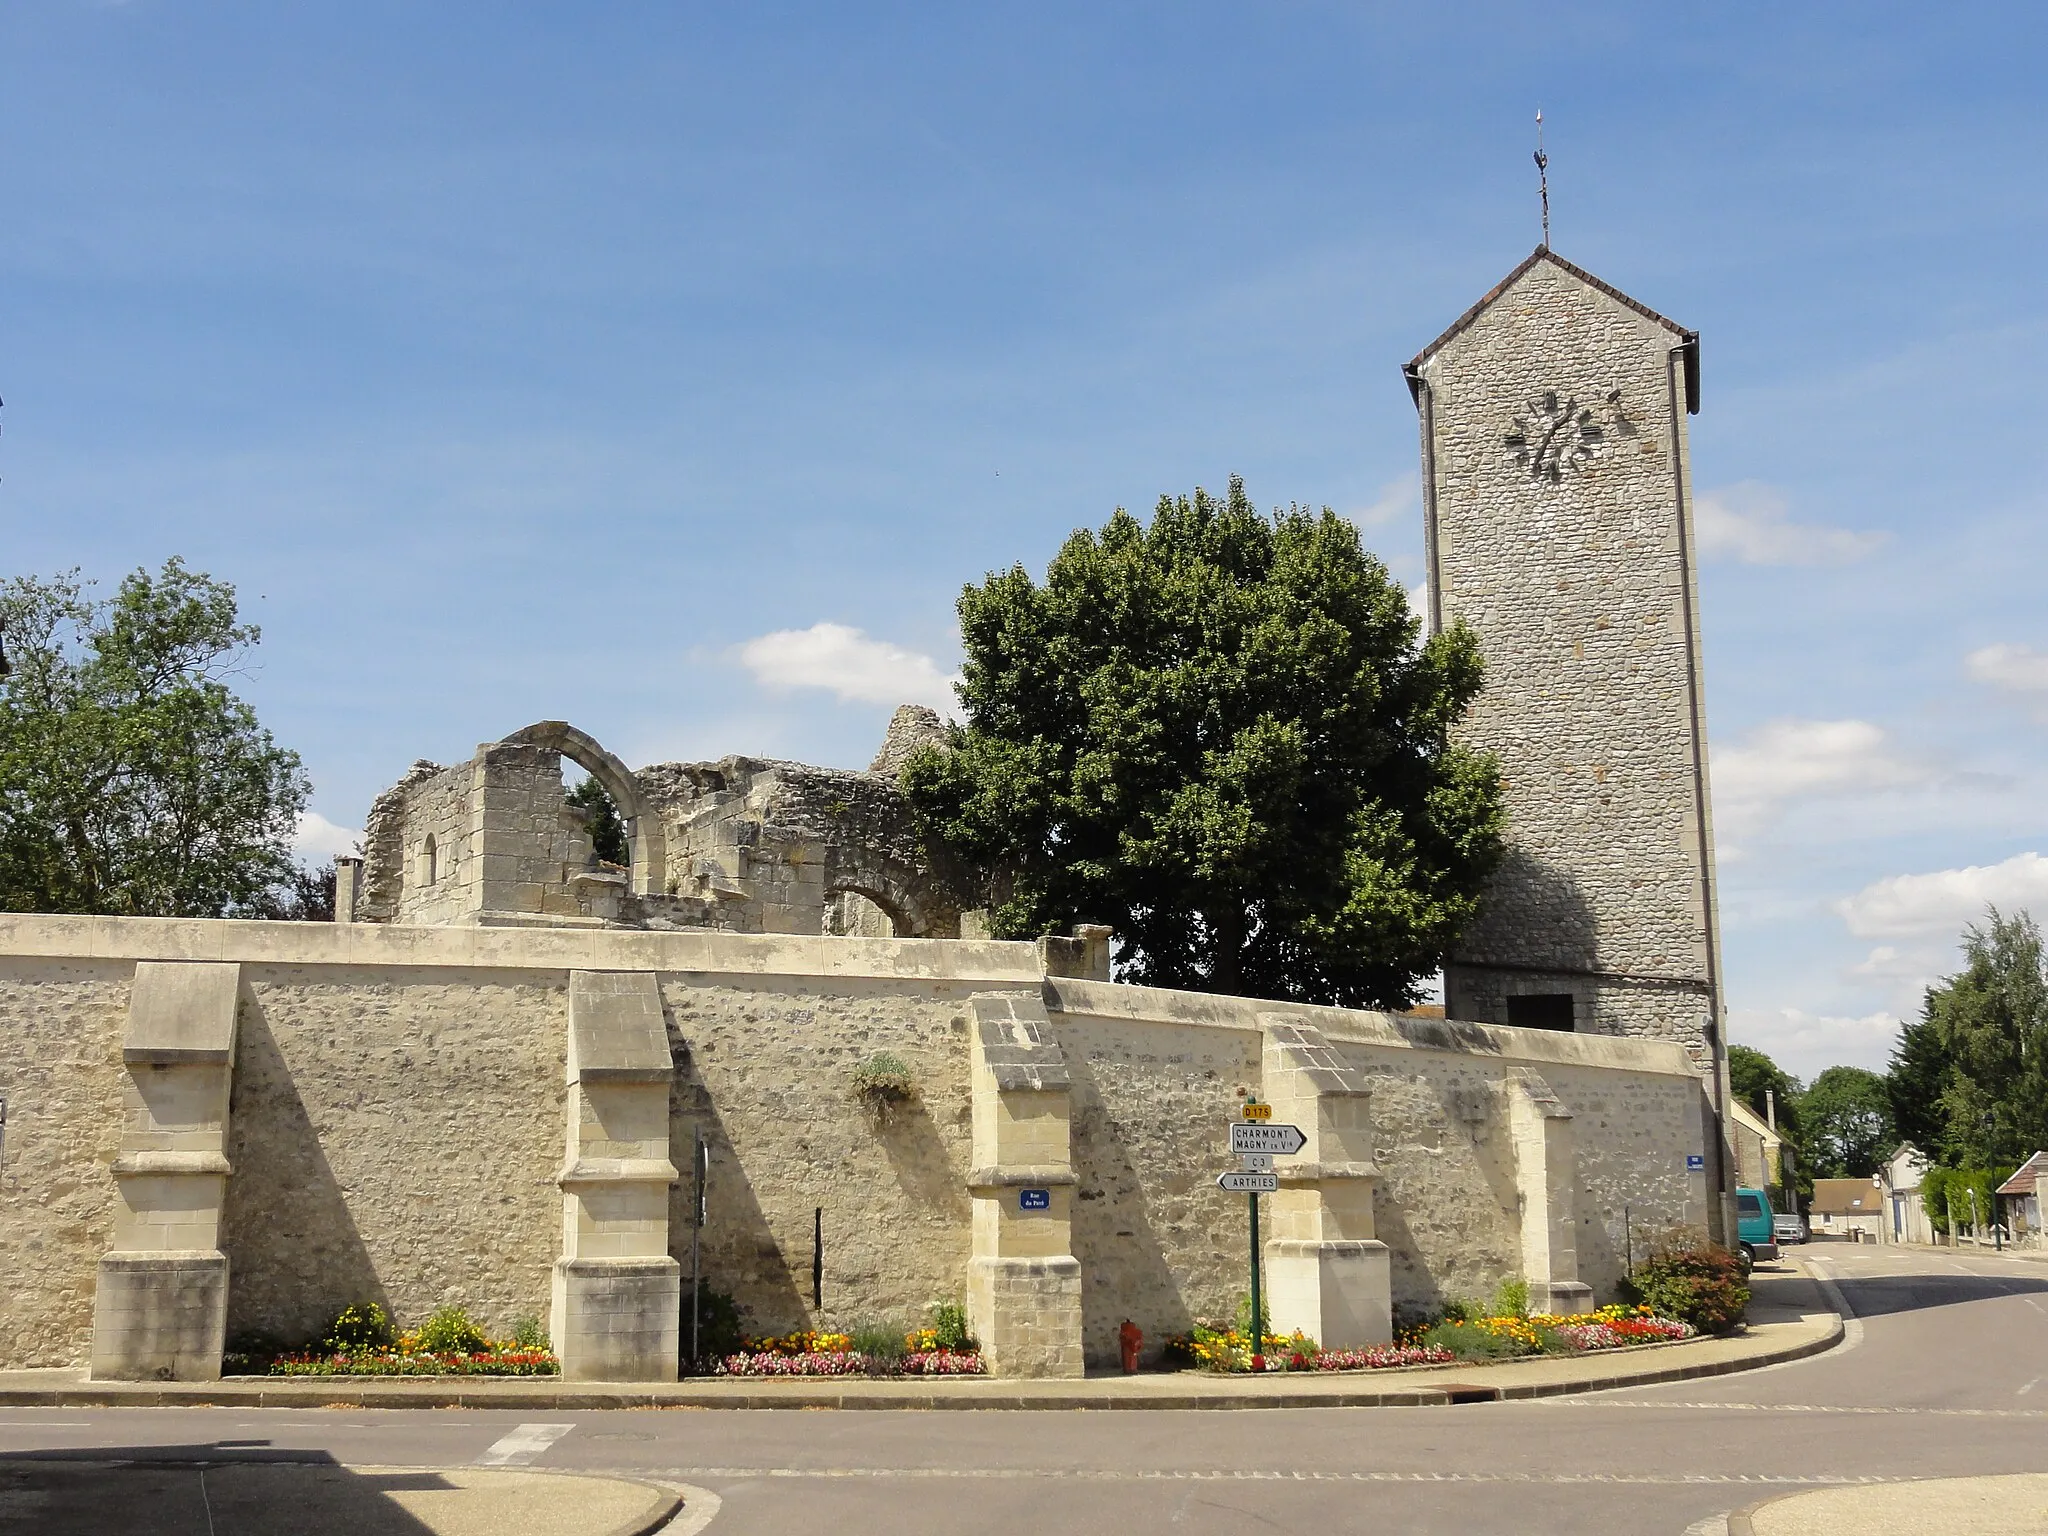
{"x":1944,"y":1373}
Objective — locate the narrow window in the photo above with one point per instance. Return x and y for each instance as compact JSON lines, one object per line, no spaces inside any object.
{"x":1542,"y":1010}
{"x":430,"y":866}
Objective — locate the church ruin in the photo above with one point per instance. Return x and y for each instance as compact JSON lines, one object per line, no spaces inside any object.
{"x":483,"y":1081}
{"x":744,"y":845}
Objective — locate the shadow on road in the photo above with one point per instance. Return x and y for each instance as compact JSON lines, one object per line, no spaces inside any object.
{"x":1878,"y":1295}
{"x":244,"y":1486}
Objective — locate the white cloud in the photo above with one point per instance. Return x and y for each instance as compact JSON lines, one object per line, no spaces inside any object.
{"x":2015,"y":668}
{"x":1748,"y":522}
{"x":1418,"y":601}
{"x":1786,"y":760}
{"x":848,"y":663}
{"x":318,"y":839}
{"x":1398,"y":498}
{"x":1806,"y":1044}
{"x":1939,"y":905}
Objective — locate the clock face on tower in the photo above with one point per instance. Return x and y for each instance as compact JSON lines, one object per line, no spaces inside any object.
{"x":1557,"y":435}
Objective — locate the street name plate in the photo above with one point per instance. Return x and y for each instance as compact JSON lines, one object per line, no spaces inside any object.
{"x":1694,"y":1162}
{"x":1286,"y":1140}
{"x":1034,"y":1199}
{"x":1255,"y":1162}
{"x":1249,"y":1183}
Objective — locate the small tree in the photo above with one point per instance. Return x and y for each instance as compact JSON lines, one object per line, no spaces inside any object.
{"x":1221,"y":734}
{"x":132,"y":780}
{"x":607,"y":827}
{"x":1847,"y":1118}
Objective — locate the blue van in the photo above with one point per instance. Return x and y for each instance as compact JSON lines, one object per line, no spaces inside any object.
{"x":1753,"y":1227}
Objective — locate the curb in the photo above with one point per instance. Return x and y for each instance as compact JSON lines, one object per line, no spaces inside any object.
{"x":350,"y":1395}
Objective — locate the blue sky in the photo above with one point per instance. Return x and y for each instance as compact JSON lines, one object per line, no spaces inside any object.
{"x":668,"y":368}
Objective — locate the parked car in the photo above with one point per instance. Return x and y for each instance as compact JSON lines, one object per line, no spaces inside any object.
{"x":1790,"y":1228}
{"x":1753,"y":1226}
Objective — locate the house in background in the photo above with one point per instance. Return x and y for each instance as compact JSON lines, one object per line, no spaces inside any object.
{"x":1848,"y":1208}
{"x":1759,"y":1149}
{"x":2019,"y":1201}
{"x":1907,"y":1216}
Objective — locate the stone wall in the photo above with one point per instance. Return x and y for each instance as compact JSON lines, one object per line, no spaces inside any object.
{"x":1559,"y":520}
{"x":766,"y":1071}
{"x":1167,"y":1070}
{"x":60,"y":1071}
{"x":1153,"y":1100}
{"x":398,"y":1101}
{"x":395,"y":1136}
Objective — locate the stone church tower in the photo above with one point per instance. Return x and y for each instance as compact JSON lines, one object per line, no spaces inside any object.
{"x":1557,"y":499}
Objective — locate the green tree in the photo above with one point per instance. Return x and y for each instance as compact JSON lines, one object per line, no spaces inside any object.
{"x":1847,"y":1120}
{"x":1753,"y":1076}
{"x":1917,"y":1074}
{"x":1989,"y":1028}
{"x":132,"y":780}
{"x":1219,"y":734}
{"x":607,"y":827}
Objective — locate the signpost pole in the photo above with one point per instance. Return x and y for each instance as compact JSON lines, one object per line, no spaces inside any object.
{"x":700,"y":1166}
{"x":1258,"y":1325}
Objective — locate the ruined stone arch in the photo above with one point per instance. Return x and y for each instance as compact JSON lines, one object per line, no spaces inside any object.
{"x":643,"y":828}
{"x":908,"y":912}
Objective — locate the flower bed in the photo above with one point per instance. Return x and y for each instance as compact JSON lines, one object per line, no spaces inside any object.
{"x":1504,"y":1337}
{"x":833,"y":1354}
{"x":851,"y":1362}
{"x":394,"y":1362}
{"x":361,"y":1342}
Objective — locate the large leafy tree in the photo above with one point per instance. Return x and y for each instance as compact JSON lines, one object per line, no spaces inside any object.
{"x":1971,"y":1074}
{"x":1846,"y":1117}
{"x":1220,"y":734}
{"x":132,"y":780}
{"x":1765,"y":1087}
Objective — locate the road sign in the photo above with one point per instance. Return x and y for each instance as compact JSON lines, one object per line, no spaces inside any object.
{"x":1248,"y":1183}
{"x":1694,"y":1162}
{"x":1258,"y":1111}
{"x":1034,"y":1199}
{"x":1255,"y":1162}
{"x":1283,"y":1139}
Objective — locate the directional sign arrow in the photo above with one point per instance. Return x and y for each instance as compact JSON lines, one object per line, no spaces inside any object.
{"x":1249,"y":1183}
{"x":1282,"y":1139}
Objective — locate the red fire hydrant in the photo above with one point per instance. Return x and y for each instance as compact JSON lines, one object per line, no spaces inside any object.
{"x":1131,"y":1339}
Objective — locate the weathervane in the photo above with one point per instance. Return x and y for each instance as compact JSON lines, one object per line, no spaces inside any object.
{"x":1543,"y":177}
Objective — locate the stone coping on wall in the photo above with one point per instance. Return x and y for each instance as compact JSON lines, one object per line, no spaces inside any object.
{"x":707,"y":952}
{"x":543,"y":949}
{"x":1158,"y":1005}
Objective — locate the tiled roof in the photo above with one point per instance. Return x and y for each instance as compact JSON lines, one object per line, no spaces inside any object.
{"x":2028,"y":1177}
{"x":1846,"y":1197}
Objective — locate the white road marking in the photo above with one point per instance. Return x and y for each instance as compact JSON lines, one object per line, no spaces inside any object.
{"x":1852,"y":1325}
{"x":2023,"y":1391}
{"x":1234,"y":1475}
{"x":522,"y":1445}
{"x":700,"y":1508}
{"x":1632,"y":1403}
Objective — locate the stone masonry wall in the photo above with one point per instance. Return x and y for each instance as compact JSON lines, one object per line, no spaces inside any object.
{"x":1158,"y":1242}
{"x":767,"y":1071}
{"x":429,"y":801}
{"x":395,"y":1138}
{"x":1577,"y":587}
{"x":61,"y":1024}
{"x":398,"y":1108}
